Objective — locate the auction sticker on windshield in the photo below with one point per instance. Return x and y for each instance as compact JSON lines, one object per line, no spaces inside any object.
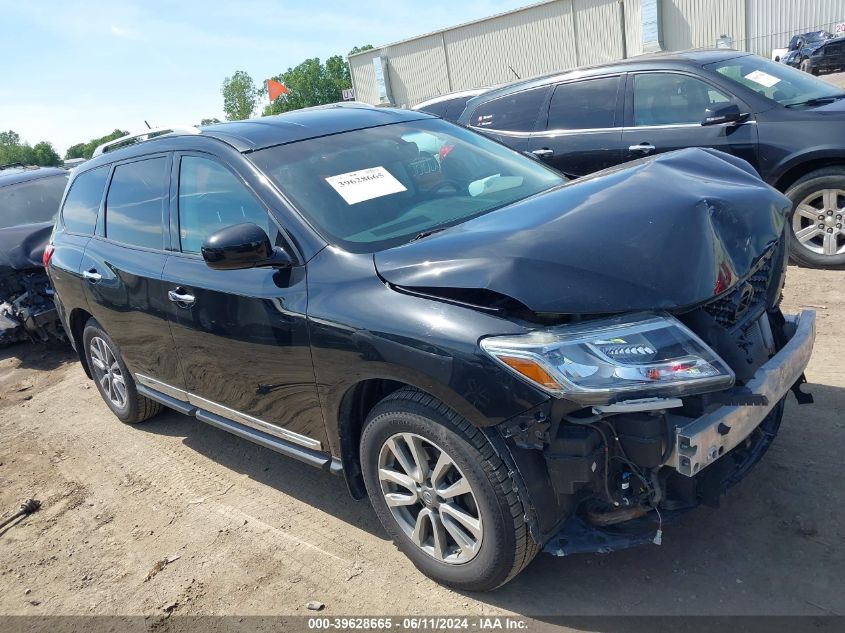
{"x":764,"y":79}
{"x":365,"y":184}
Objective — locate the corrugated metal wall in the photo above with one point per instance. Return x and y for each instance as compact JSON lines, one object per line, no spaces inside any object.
{"x":562,"y":34}
{"x":697,"y":23}
{"x":772,"y":22}
{"x":535,"y":40}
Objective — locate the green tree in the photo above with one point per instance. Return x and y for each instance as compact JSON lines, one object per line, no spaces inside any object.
{"x":210,"y":121}
{"x":45,"y":155}
{"x":312,"y":83}
{"x":13,"y":151}
{"x":361,"y":49}
{"x":86,"y":150}
{"x":240,"y":96}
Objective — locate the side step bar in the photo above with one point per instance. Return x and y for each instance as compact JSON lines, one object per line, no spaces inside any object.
{"x":321,"y":460}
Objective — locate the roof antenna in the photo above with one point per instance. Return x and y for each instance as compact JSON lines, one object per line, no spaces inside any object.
{"x":149,"y":127}
{"x":514,"y":72}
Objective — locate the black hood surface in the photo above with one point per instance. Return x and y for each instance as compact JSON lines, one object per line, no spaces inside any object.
{"x":666,"y":232}
{"x":21,"y":247}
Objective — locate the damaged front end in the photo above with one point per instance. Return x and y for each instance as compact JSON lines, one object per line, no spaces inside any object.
{"x":661,"y":342}
{"x":27,"y":309}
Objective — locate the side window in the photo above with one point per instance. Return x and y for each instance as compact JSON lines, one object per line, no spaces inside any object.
{"x":583,"y":105}
{"x":135,"y":202}
{"x":437,"y":109}
{"x":671,"y":99}
{"x":455,"y":108}
{"x":83,"y":201}
{"x":212,"y":198}
{"x":513,"y":113}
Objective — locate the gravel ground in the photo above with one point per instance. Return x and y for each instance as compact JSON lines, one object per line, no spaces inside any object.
{"x":176,"y":517}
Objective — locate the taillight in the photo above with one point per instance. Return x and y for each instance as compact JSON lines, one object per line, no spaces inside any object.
{"x":48,"y":253}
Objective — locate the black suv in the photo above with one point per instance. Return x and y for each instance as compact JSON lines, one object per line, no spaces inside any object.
{"x":450,"y":329}
{"x":788,"y":125}
{"x":29,"y":202}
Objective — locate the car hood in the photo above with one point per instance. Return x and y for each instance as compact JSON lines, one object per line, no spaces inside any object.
{"x":665,"y":232}
{"x":21,"y":247}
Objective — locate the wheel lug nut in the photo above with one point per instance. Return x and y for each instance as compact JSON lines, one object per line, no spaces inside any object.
{"x":838,"y":226}
{"x":830,"y":230}
{"x":821,"y":217}
{"x":821,"y":226}
{"x":829,"y":212}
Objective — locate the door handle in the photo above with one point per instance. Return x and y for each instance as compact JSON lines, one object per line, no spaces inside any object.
{"x":543,"y":152}
{"x":180,"y":296}
{"x":644,"y":148}
{"x":91,"y":275}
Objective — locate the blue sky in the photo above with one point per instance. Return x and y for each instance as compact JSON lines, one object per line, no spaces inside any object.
{"x":75,"y":70}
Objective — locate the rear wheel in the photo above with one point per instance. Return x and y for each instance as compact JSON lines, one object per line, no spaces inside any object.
{"x":113,"y":379}
{"x":443,"y":494}
{"x":818,"y":219}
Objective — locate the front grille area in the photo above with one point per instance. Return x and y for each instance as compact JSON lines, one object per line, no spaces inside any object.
{"x":747,"y":300}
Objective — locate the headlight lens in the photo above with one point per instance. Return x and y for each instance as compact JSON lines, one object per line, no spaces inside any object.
{"x":596,"y":362}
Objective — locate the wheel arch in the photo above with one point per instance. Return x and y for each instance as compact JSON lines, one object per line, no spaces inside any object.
{"x":76,"y":322}
{"x":799,"y":167}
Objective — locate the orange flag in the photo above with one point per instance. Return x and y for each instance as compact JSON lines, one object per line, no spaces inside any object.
{"x":276,"y":89}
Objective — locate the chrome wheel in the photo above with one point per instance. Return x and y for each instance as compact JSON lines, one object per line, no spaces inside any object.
{"x":818,"y":222}
{"x":107,"y":372}
{"x":430,"y":498}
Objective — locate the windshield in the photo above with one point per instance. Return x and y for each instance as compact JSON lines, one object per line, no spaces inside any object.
{"x":32,"y":201}
{"x":371,"y":189}
{"x":775,"y":81}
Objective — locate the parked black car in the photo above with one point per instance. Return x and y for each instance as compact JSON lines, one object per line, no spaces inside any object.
{"x":502,"y":360}
{"x":789,"y":126}
{"x":809,"y":52}
{"x":449,"y":106}
{"x":29,"y":202}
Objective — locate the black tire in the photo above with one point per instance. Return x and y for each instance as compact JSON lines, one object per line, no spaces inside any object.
{"x":136,"y":408}
{"x":806,"y":66}
{"x":506,"y":546}
{"x":816,"y":181}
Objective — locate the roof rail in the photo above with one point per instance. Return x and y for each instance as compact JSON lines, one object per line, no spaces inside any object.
{"x":143,"y":136}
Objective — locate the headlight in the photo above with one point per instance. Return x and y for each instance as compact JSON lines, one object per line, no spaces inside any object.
{"x":596,"y":362}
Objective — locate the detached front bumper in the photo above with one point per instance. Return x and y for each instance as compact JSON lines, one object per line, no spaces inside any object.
{"x":704,"y":440}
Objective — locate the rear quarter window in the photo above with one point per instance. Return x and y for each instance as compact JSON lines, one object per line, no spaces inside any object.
{"x":135,"y":202}
{"x":82,"y":203}
{"x":516,"y":112}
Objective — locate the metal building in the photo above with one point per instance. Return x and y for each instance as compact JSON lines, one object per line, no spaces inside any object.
{"x":561,"y":34}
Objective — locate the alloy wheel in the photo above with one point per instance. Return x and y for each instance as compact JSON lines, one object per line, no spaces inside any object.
{"x":107,"y":372}
{"x":430,"y":498}
{"x":819,"y":221}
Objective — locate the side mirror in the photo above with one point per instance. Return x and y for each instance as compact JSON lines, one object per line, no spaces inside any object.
{"x":242,"y":246}
{"x":726,"y":113}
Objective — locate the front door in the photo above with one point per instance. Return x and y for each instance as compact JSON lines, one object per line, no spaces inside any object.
{"x":665,"y":114}
{"x":241,"y":335}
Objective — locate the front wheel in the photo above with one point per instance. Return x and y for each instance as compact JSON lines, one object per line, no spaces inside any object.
{"x":443,"y":494}
{"x":818,"y":219}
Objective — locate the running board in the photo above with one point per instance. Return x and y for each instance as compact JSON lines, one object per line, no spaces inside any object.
{"x":321,"y":460}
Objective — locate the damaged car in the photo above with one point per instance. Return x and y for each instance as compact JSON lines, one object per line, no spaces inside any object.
{"x":29,"y":201}
{"x":504,"y":362}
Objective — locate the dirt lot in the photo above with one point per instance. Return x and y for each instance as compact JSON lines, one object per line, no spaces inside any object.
{"x":247,"y":531}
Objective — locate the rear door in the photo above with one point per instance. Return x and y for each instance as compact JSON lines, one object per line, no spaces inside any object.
{"x":122,"y":268}
{"x":241,"y":335}
{"x":664,"y":111}
{"x":581,"y":129}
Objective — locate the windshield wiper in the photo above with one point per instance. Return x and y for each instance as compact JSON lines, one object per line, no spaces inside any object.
{"x":428,"y":232}
{"x":817,"y":100}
